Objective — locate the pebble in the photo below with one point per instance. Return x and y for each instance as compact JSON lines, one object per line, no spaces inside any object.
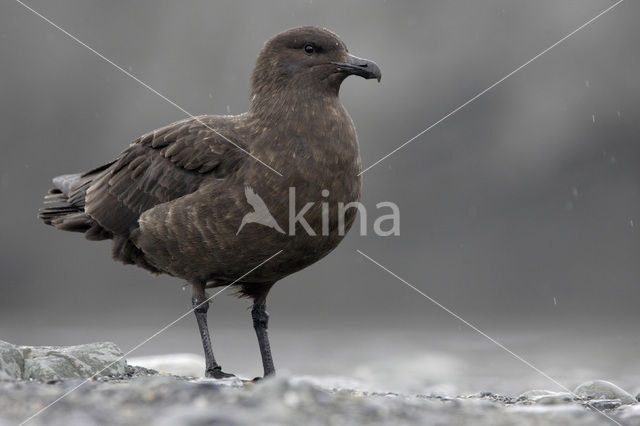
{"x":601,"y":389}
{"x":547,"y":397}
{"x":558,"y":398}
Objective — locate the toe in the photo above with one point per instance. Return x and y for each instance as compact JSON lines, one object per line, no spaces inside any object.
{"x":217,"y":373}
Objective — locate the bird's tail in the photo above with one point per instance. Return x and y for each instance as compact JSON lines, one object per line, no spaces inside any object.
{"x":64,"y":205}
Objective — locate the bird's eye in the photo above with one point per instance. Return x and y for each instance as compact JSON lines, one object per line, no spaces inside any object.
{"x":309,"y":49}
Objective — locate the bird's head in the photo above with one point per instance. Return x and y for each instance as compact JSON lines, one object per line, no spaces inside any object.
{"x":307,"y":57}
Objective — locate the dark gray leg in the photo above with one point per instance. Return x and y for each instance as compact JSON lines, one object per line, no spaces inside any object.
{"x":260,"y":323}
{"x":213,"y":369}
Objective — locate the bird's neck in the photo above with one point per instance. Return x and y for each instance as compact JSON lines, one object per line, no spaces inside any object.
{"x":302,"y":131}
{"x":293,"y":104}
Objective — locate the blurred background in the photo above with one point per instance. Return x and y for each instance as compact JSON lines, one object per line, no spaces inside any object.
{"x":521,"y":213}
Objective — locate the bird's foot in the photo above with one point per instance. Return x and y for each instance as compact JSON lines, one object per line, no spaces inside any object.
{"x":259,"y":379}
{"x":217,"y":373}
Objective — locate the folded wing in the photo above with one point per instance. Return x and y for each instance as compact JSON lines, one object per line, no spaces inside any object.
{"x":160,"y":166}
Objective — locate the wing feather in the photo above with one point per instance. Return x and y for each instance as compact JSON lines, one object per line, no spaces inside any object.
{"x":160,"y":166}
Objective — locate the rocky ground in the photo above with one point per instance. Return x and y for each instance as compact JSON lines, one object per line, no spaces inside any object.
{"x":31,"y":378}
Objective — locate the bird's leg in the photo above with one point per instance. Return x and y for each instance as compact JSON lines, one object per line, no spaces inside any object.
{"x":200,"y":307}
{"x":260,"y":323}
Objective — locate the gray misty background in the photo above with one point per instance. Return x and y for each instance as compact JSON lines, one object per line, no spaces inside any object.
{"x":521,"y":212}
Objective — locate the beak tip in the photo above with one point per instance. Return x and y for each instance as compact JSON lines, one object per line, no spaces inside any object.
{"x":361,"y":67}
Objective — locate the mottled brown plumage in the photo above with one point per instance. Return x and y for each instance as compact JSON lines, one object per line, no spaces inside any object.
{"x":173,"y":201}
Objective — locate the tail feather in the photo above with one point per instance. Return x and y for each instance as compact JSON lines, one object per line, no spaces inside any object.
{"x":73,"y":222}
{"x":56,"y":206}
{"x":64,"y":205}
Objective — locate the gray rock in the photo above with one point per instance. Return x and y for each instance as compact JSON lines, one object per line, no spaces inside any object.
{"x":82,"y":361}
{"x":535,"y":393}
{"x":11,"y":361}
{"x":601,"y":389}
{"x":56,"y":362}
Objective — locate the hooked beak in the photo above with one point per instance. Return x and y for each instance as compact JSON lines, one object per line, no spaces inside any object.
{"x":358,"y":66}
